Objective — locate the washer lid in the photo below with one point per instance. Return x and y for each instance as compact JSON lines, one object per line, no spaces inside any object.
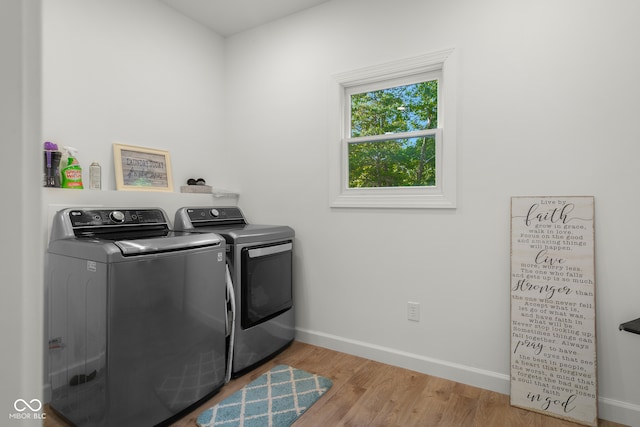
{"x":174,"y":241}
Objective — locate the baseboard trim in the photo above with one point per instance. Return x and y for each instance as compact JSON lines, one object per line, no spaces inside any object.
{"x":608,"y":409}
{"x":439,"y":368}
{"x":618,"y":411}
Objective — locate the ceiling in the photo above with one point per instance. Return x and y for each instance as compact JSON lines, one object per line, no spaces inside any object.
{"x":228,"y":17}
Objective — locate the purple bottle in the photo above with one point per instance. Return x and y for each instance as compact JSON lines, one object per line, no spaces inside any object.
{"x":52,"y":156}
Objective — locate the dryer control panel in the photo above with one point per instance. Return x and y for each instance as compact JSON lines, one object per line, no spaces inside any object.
{"x":214,"y":216}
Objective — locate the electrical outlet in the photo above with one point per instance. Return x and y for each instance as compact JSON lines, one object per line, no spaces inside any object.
{"x":413,"y":311}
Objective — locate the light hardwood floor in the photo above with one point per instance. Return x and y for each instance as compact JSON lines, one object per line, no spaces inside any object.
{"x":367,"y":393}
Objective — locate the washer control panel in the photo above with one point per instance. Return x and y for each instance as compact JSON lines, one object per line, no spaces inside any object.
{"x":114,"y":217}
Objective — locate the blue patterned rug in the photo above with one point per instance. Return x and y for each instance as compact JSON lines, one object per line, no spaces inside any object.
{"x":276,"y":399}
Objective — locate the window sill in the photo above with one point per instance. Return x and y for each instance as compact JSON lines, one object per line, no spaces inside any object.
{"x":402,"y":201}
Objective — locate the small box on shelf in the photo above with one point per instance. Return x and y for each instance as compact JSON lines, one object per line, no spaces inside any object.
{"x":196,"y":189}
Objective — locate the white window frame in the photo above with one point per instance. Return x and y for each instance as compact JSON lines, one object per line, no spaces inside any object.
{"x":443,"y":194}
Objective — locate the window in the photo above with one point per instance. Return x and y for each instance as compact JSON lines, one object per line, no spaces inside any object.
{"x":391,"y":138}
{"x":394,"y":149}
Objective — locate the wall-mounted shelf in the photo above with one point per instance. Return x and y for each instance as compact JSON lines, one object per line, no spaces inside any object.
{"x":632,"y":326}
{"x":207,"y":189}
{"x":219,"y":194}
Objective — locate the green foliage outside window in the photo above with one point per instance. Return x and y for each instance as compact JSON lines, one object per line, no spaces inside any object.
{"x":396,"y":162}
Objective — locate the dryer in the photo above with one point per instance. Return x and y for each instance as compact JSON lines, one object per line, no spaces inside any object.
{"x":136,"y":317}
{"x":260,"y":259}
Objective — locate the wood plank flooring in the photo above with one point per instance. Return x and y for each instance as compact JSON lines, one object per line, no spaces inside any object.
{"x":366,"y":393}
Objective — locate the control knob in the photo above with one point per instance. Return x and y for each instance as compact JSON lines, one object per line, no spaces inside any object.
{"x":117,"y":217}
{"x":215,"y":213}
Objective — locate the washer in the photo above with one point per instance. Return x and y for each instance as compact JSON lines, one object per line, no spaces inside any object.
{"x":259,"y":259}
{"x":136,"y":317}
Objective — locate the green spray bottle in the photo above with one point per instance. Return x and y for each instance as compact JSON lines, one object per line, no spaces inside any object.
{"x":72,"y":173}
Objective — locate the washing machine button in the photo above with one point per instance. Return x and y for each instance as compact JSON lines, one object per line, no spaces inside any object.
{"x":117,"y":217}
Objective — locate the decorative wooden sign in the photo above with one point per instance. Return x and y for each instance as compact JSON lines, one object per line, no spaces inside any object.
{"x":141,"y":168}
{"x":553,"y":337}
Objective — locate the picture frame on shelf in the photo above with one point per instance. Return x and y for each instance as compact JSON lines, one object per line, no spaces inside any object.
{"x":142,"y":168}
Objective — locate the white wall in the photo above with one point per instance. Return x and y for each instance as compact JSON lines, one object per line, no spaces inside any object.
{"x":133,"y":73}
{"x":548,"y":105}
{"x":20,"y":258}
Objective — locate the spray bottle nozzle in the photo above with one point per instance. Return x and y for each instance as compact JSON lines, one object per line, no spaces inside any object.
{"x":72,"y":155}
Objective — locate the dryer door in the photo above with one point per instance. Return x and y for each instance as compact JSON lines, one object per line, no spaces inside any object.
{"x":266,"y":282}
